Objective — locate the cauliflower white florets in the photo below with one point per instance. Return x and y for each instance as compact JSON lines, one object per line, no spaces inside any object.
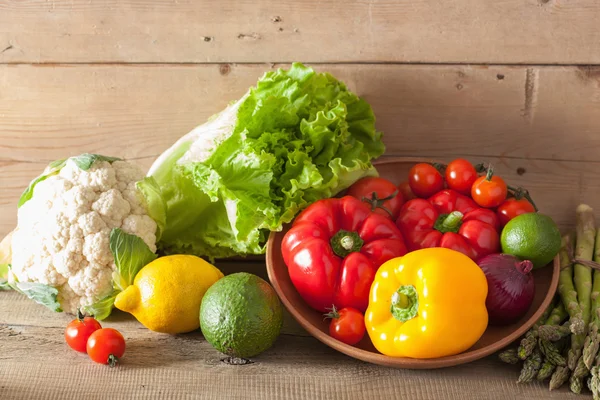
{"x":63,"y":232}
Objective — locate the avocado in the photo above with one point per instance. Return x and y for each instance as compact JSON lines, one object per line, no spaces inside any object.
{"x":241,"y":315}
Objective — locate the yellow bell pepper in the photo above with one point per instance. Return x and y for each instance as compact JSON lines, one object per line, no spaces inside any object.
{"x":429,"y":303}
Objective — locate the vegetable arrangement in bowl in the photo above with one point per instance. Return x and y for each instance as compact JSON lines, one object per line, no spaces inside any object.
{"x":455,"y":266}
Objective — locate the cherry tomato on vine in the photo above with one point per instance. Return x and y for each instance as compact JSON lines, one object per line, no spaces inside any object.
{"x":489,"y":191}
{"x":512,"y":207}
{"x":106,"y":346}
{"x":406,"y":191}
{"x":425,"y":180}
{"x":380,"y":194}
{"x":460,"y":175}
{"x":79,"y":330}
{"x":347,"y":325}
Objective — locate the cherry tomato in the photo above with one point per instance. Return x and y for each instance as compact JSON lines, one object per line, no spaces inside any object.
{"x":106,"y":346}
{"x":406,"y":191}
{"x":425,"y":180}
{"x":512,"y":207}
{"x":79,"y":330}
{"x":347,"y":325}
{"x":489,"y":192}
{"x":460,"y":175}
{"x":382,"y":195}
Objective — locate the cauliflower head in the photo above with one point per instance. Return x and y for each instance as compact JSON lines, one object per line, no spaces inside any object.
{"x":65,"y":221}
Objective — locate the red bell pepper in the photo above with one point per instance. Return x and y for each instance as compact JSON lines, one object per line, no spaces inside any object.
{"x":452,"y":220}
{"x":334,"y":249}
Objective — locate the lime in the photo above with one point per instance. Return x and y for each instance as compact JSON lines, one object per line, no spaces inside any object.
{"x":241,"y":315}
{"x":531,"y":236}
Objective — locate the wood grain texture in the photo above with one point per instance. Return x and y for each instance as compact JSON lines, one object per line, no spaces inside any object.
{"x":547,"y":113}
{"x":467,"y":31}
{"x":544,"y":120}
{"x":35,"y":363}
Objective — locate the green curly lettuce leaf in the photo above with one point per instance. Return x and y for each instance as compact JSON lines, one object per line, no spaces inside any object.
{"x":297,"y":137}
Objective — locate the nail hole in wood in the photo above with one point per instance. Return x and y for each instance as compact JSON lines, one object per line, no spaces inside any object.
{"x":521,"y":171}
{"x":459,"y":86}
{"x":500,"y":77}
{"x":224,"y":69}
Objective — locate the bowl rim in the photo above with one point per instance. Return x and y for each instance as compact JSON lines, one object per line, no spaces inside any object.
{"x":404,"y":362}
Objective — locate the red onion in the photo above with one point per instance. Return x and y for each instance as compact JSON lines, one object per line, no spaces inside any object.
{"x":510,"y":287}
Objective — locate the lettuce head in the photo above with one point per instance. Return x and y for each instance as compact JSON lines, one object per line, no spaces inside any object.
{"x":296,"y":137}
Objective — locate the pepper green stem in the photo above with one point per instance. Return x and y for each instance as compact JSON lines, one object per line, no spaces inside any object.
{"x":405,"y":303}
{"x":449,"y":222}
{"x":346,"y":242}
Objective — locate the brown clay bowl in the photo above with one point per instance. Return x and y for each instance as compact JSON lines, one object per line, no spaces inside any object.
{"x":495,"y":337}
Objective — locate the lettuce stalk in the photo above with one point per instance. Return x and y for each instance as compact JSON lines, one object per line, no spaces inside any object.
{"x":296,"y":137}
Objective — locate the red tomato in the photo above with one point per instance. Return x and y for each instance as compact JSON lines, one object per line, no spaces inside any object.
{"x":382,"y":195}
{"x":79,"y":330}
{"x":406,"y":191}
{"x":489,"y":192}
{"x":425,"y":180}
{"x":460,"y":175}
{"x":106,"y":346}
{"x":512,"y":207}
{"x":347,"y":325}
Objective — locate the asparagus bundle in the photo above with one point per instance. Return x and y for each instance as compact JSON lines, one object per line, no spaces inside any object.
{"x":568,"y":351}
{"x":582,"y":277}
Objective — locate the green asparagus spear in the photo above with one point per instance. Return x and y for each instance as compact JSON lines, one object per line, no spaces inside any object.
{"x":576,"y":384}
{"x":586,"y":235}
{"x":559,"y":377}
{"x":509,"y":356}
{"x":567,"y":291}
{"x":595,"y":382}
{"x":591,"y":346}
{"x":580,"y":369}
{"x":531,"y":366}
{"x":592,"y":343}
{"x":551,"y":353}
{"x":554,"y":333}
{"x":546,"y":370}
{"x":529,"y":342}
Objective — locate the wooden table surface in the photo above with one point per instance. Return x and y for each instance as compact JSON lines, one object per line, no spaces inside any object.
{"x":511,"y":82}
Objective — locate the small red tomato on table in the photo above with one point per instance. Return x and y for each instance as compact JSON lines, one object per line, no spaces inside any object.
{"x":347,"y":325}
{"x":380,"y":194}
{"x":425,"y":180}
{"x":79,"y":330}
{"x":106,"y":346}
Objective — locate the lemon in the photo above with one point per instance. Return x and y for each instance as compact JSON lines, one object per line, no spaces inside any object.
{"x":166,"y":294}
{"x":531,"y":236}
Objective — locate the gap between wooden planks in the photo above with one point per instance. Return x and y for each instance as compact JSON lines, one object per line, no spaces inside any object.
{"x":466,"y":31}
{"x":540,"y":121}
{"x":543,"y":113}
